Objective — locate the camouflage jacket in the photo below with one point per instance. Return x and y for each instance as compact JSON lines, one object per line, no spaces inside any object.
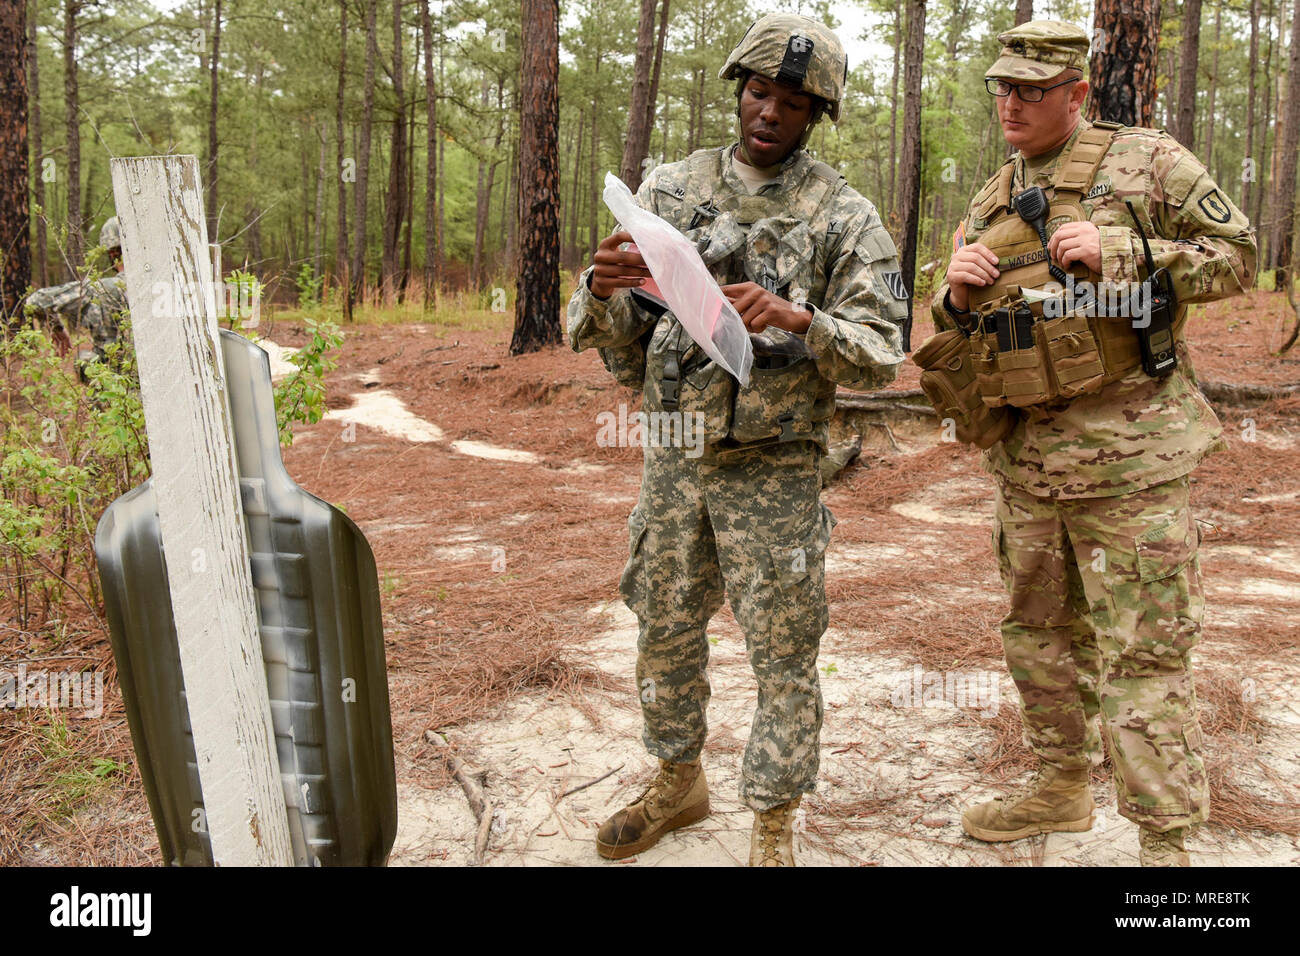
{"x":1137,"y":431}
{"x":94,"y":305}
{"x":826,"y":247}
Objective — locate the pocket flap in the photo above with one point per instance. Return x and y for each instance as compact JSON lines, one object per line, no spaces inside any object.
{"x":1165,"y":549}
{"x":792,"y":561}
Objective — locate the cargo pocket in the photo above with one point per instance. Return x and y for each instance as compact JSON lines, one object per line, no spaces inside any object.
{"x":1165,"y":550}
{"x":778,"y":402}
{"x":795,"y":607}
{"x":632,"y":585}
{"x":1169,"y":591}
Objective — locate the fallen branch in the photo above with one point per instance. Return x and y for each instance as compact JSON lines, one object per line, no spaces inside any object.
{"x":590,"y":783}
{"x":884,"y":400}
{"x":1230,"y":394}
{"x":478,"y":803}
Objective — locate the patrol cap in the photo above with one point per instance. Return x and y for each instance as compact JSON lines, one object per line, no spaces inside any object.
{"x":796,"y":50}
{"x":1040,"y":50}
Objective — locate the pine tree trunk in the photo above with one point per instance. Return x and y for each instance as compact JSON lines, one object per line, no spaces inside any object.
{"x":432,"y":278}
{"x":1024,"y":11}
{"x":658,"y":66}
{"x":318,"y":255}
{"x":38,"y":180}
{"x":1124,"y":62}
{"x":480,"y":203}
{"x":1263,"y":146}
{"x":893,"y":110}
{"x":72,"y":120}
{"x":910,"y":171}
{"x":537,"y":301}
{"x":1290,"y":145}
{"x":341,"y":239}
{"x":210,"y":166}
{"x":1214,"y":84}
{"x":1185,"y":132}
{"x":593,"y":183}
{"x":409,"y":192}
{"x":1250,"y":173}
{"x":363,"y":157}
{"x":395,"y":202}
{"x":637,"y":139}
{"x":15,"y":225}
{"x":574,"y":211}
{"x":441,"y":263}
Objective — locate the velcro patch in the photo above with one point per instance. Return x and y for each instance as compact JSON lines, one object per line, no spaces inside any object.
{"x":1100,"y":189}
{"x":1215,"y":206}
{"x":894,"y":282}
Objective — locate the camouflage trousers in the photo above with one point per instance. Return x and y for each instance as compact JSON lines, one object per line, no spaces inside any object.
{"x":756,"y":528}
{"x":1106,"y":607}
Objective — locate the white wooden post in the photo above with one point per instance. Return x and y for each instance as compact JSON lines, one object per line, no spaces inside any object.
{"x":182,"y":384}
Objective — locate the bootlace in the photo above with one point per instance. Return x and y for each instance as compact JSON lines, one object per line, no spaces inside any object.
{"x":1025,"y":790}
{"x":771,"y":825}
{"x":1162,"y":846}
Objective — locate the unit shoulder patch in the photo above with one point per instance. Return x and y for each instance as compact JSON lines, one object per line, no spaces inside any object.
{"x":1215,"y":206}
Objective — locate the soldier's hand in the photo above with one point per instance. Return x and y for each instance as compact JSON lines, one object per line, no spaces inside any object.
{"x":62,"y":343}
{"x":616,"y":269}
{"x":975,"y":264}
{"x":1076,"y":242}
{"x":760,"y":308}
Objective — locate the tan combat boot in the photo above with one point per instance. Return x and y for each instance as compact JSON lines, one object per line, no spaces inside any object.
{"x":770,"y":840}
{"x":677,"y":797}
{"x":1053,"y":799}
{"x":1163,"y":849}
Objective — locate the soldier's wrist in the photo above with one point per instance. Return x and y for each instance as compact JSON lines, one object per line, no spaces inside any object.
{"x":951,"y":309}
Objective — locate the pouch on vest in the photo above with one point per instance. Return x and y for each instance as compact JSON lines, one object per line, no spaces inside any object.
{"x":1027,"y":378}
{"x":777,"y":403}
{"x":949,"y":381}
{"x":1073,"y":352}
{"x":683,"y":379}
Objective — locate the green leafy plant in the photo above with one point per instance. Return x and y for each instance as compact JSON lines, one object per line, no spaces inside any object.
{"x":309,"y":286}
{"x":300,"y":397}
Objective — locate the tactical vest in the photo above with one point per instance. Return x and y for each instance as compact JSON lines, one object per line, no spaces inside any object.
{"x":740,"y":237}
{"x":1029,"y":352}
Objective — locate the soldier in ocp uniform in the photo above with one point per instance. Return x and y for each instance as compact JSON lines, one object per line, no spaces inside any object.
{"x":808,"y":264}
{"x":1091,"y":424}
{"x":97,"y":305}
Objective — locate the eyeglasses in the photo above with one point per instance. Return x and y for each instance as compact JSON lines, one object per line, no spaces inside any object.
{"x":1027,"y":93}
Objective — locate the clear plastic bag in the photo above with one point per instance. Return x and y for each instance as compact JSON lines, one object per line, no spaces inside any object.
{"x":684,"y":283}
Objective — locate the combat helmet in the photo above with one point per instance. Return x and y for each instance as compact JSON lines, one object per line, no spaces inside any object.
{"x":110,"y":234}
{"x":795,"y":50}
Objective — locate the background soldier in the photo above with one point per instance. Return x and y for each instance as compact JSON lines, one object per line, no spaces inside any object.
{"x":797,"y":250}
{"x":1094,"y":537}
{"x":96,"y":305}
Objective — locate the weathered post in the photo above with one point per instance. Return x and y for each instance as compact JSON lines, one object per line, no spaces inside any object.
{"x":182,"y":384}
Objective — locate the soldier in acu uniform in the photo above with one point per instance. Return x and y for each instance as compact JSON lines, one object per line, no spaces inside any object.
{"x":95,"y":305}
{"x":807,"y":263}
{"x":1091,"y":440}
